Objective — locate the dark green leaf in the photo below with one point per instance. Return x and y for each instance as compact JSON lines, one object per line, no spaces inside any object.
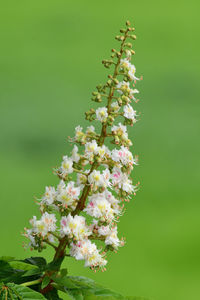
{"x":45,"y":282}
{"x":36,"y":271}
{"x":83,"y":282}
{"x":7,"y":273}
{"x":75,"y":294}
{"x":63,"y":272}
{"x":52,"y":295}
{"x":40,"y":262}
{"x":7,"y":258}
{"x":55,"y":265}
{"x":64,"y":281}
{"x":19,"y":265}
{"x":14,"y":291}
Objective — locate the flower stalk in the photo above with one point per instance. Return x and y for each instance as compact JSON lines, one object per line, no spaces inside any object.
{"x":103,"y":181}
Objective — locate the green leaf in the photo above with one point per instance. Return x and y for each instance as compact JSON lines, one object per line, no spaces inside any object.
{"x":33,"y":272}
{"x":40,"y":262}
{"x":54,"y":265}
{"x":75,"y":294}
{"x":52,"y":295}
{"x":83,"y":282}
{"x":7,"y":273}
{"x":83,"y":288}
{"x":7,"y":258}
{"x":12,"y":291}
{"x":63,"y":272}
{"x":45,"y":282}
{"x":19,"y":265}
{"x":88,"y":289}
{"x":64,"y":281}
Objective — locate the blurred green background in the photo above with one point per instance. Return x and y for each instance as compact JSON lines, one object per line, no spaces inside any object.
{"x":50,"y":62}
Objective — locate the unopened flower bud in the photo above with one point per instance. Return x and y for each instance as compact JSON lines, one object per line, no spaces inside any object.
{"x":129,"y":45}
{"x":133,"y":37}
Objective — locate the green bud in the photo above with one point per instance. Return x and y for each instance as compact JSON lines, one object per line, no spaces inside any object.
{"x":110,"y":119}
{"x":117,"y":140}
{"x":128,"y":23}
{"x":119,"y":102}
{"x":125,"y":99}
{"x":115,"y":80}
{"x":118,"y":54}
{"x":122,"y":30}
{"x":109,"y":82}
{"x":129,"y":45}
{"x":133,"y":37}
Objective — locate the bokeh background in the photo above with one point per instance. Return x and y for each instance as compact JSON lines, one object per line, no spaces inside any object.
{"x":50,"y":62}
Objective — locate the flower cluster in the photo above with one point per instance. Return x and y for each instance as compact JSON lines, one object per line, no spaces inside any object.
{"x":94,"y":180}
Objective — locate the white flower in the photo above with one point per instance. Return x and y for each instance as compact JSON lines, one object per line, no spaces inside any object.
{"x":90,"y":149}
{"x":122,"y":181}
{"x":113,"y":201}
{"x":116,"y":175}
{"x":44,"y":225}
{"x":79,"y":132}
{"x":102,"y":114}
{"x":86,"y":250}
{"x":123,"y":86}
{"x":66,"y":166}
{"x":115,"y":106}
{"x":125,"y":64}
{"x":106,"y":178}
{"x":74,"y":227}
{"x":101,"y":151}
{"x":112,"y":238}
{"x":131,"y":73}
{"x":51,"y":238}
{"x":104,"y":230}
{"x":49,"y":196}
{"x":29,"y":234}
{"x":75,"y":155}
{"x":128,"y":54}
{"x":49,"y":221}
{"x":110,"y":234}
{"x":120,"y":130}
{"x":96,"y":178}
{"x":81,"y":180}
{"x":60,"y":186}
{"x":129,"y":113}
{"x":68,"y":195}
{"x":90,"y":129}
{"x":126,"y":185}
{"x":95,"y":260}
{"x":123,"y":155}
{"x":99,"y":207}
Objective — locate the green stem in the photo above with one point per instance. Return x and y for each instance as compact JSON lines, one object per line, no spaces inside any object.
{"x":78,"y":171}
{"x":29,"y":283}
{"x":50,"y":244}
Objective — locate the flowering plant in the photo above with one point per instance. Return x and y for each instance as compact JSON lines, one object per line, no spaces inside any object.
{"x":85,"y":206}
